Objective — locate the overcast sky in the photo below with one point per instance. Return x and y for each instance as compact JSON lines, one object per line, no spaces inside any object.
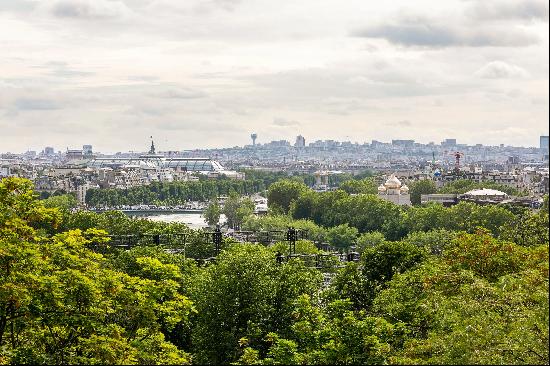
{"x":207,"y":73}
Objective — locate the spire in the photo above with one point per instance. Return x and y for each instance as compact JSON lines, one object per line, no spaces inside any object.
{"x":152,"y":149}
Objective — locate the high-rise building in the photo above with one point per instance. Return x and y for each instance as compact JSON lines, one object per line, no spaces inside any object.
{"x":544,"y":142}
{"x":300,"y":141}
{"x":74,"y":154}
{"x":448,"y":142}
{"x":49,"y":151}
{"x":254,"y":136}
{"x":87,"y":149}
{"x":403,"y":142}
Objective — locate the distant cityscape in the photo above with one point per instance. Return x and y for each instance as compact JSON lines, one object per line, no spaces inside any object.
{"x":77,"y":170}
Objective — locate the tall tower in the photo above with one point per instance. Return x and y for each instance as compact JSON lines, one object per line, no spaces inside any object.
{"x":254,"y":136}
{"x":152,"y":149}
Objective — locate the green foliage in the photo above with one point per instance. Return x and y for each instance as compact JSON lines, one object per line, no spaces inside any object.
{"x":465,"y":216}
{"x":382,"y":262}
{"x":445,"y":291}
{"x":212,"y":213}
{"x":420,"y":187}
{"x":364,"y":174}
{"x":64,"y":202}
{"x":367,"y":185}
{"x":245,"y":294}
{"x":350,"y":283}
{"x":365,"y":212}
{"x":435,"y":241}
{"x":369,"y":240}
{"x":21,"y":213}
{"x":529,"y":229}
{"x":483,"y":302}
{"x":281,"y":194}
{"x":173,"y":193}
{"x":487,"y":257}
{"x":236,"y":209}
{"x":337,"y":335}
{"x":342,"y":236}
{"x":59,"y":304}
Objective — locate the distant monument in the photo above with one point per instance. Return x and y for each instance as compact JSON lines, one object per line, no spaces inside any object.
{"x":394,"y":191}
{"x":152,"y":149}
{"x":254,"y":136}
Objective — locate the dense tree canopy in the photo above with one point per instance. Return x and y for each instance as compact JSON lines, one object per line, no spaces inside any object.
{"x":281,"y":194}
{"x":461,"y":285}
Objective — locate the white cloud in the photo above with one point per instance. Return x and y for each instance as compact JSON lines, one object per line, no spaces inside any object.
{"x":89,"y":9}
{"x":209,"y":72}
{"x":500,"y":70}
{"x":411,"y":30}
{"x":282,"y":122}
{"x":528,"y":10}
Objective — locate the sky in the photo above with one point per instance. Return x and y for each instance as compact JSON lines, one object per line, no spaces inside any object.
{"x":208,"y":73}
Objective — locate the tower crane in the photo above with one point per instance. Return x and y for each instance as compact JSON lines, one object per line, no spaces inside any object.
{"x":457,"y":155}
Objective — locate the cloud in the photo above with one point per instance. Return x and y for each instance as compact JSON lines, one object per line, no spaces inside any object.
{"x":31,"y":104}
{"x":197,"y":125}
{"x":88,"y":9}
{"x":63,"y":70}
{"x":281,"y":122}
{"x":500,"y":10}
{"x":404,"y":123}
{"x":228,"y":5}
{"x":17,"y":6}
{"x":180,"y":93}
{"x":422,"y":31}
{"x":500,"y":70}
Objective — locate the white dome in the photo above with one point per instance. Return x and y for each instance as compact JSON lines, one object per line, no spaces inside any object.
{"x":381,"y":188}
{"x":404,"y":188}
{"x":392,"y":182}
{"x":485,"y":192}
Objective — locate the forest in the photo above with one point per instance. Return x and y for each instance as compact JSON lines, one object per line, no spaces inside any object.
{"x":466,"y":284}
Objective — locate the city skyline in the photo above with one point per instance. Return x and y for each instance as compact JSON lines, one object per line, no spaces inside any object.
{"x":291,"y":142}
{"x":207,"y":74}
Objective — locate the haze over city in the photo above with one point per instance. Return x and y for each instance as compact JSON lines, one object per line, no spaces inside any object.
{"x":202,"y":74}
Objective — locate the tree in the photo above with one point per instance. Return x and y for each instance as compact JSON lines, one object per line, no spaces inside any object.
{"x":212,"y":213}
{"x":364,"y":186}
{"x":246,"y":294}
{"x":544,"y":206}
{"x":342,"y":236}
{"x":333,"y":336}
{"x":369,"y":240}
{"x":434,"y":241}
{"x":245,"y":210}
{"x":59,"y":304}
{"x":529,"y":229}
{"x":420,"y":187}
{"x":382,"y":262}
{"x":485,"y":301}
{"x":236,"y":209}
{"x":281,"y":194}
{"x":64,"y":202}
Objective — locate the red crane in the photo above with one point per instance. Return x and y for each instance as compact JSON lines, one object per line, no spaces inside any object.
{"x":457,"y":155}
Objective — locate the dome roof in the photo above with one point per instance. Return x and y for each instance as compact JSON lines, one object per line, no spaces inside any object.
{"x":392,"y":182}
{"x":404,"y":188}
{"x":485,"y":192}
{"x":381,"y":188}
